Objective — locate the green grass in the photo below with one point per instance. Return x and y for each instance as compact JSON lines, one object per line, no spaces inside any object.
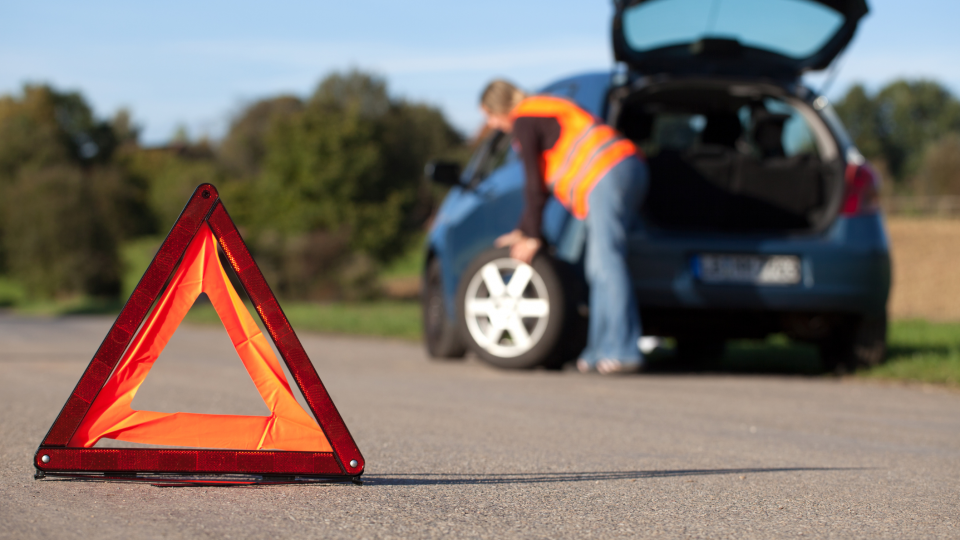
{"x":918,"y":350}
{"x":11,"y":292}
{"x":410,"y":264}
{"x":80,"y":305}
{"x":136,"y":256}
{"x":383,"y":318}
{"x":921,"y":351}
{"x":776,"y":354}
{"x":13,"y":295}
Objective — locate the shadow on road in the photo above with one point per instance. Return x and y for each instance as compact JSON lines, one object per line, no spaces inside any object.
{"x":772,"y":356}
{"x":907,"y":351}
{"x":777,"y":355}
{"x":430,"y":479}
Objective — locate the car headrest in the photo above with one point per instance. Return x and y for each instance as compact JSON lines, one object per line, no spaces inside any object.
{"x":768,"y":133}
{"x":722,"y":129}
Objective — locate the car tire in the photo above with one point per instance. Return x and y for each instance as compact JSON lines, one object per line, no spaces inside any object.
{"x":860,"y":343}
{"x":440,"y":335}
{"x":492,"y":307}
{"x":700,"y":352}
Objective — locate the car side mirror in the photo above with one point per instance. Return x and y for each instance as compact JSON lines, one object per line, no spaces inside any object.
{"x":445,"y":173}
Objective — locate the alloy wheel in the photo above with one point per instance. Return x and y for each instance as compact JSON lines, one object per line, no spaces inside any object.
{"x":507,"y":307}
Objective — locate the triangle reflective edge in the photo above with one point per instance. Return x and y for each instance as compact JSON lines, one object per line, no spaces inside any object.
{"x":287,"y":426}
{"x":55,"y":456}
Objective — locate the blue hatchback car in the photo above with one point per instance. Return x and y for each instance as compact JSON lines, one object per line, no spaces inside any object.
{"x":761,"y":216}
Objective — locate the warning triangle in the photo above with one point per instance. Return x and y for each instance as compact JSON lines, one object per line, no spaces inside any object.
{"x":288,"y":442}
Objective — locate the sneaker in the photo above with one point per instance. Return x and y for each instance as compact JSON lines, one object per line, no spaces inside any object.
{"x":610,"y":366}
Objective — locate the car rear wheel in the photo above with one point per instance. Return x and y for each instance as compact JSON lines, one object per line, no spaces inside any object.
{"x":513,"y":314}
{"x":440,"y":335}
{"x":861,"y":343}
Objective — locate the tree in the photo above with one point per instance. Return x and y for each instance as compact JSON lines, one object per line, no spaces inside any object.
{"x":940,"y":170}
{"x":242,"y":150}
{"x":898,"y":123}
{"x":64,"y":206}
{"x":59,"y":238}
{"x":169,"y":175}
{"x":343,"y":177}
{"x":859,"y":113}
{"x":325,"y":189}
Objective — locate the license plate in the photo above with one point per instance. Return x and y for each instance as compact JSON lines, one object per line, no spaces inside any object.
{"x":749,"y":269}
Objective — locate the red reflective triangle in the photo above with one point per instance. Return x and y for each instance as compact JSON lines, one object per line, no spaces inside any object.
{"x":286,"y":443}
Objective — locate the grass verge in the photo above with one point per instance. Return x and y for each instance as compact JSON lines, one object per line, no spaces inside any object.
{"x":921,"y":351}
{"x":11,"y":292}
{"x":383,"y":318}
{"x":917,"y":351}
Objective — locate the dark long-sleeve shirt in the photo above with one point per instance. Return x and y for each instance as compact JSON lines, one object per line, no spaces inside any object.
{"x":535,"y":135}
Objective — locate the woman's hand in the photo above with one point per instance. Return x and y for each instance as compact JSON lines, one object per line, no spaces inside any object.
{"x":522,"y":247}
{"x":508,"y":239}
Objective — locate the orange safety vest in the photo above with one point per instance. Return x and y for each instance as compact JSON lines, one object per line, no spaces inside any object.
{"x":584,"y":152}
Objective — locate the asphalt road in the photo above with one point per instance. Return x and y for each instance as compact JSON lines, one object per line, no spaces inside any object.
{"x":462,"y":450}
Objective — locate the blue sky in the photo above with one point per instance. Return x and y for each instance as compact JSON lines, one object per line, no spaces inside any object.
{"x":197,"y":63}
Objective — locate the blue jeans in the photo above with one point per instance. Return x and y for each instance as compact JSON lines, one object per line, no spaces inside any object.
{"x":614,"y":317}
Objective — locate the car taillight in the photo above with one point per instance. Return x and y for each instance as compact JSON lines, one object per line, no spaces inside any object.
{"x":862,"y":190}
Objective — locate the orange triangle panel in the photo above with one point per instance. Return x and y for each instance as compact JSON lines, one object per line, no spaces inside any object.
{"x":288,"y":442}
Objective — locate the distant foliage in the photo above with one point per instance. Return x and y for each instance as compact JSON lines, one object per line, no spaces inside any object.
{"x":940,"y":172}
{"x":242,"y":150}
{"x":170,"y":174}
{"x":64,"y":206}
{"x":333,"y":187}
{"x":326,"y":190}
{"x":900,"y":125}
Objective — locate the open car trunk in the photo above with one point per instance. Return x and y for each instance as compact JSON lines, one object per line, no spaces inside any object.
{"x":778,"y":39}
{"x":727,"y":157}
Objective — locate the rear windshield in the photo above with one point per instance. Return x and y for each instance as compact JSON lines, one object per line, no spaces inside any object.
{"x":768,"y":127}
{"x":793,"y":28}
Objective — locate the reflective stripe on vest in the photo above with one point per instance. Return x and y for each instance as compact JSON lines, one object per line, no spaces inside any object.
{"x":584,"y":152}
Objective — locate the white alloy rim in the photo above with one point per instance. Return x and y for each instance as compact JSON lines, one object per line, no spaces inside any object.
{"x":507,"y":307}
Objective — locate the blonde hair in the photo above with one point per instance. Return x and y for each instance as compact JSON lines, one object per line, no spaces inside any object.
{"x":501,"y":96}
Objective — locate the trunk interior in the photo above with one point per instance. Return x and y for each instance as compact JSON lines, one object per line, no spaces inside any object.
{"x":733,"y":158}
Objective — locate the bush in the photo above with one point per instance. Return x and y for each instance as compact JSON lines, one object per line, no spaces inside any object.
{"x":325,"y":190}
{"x":897,"y":124}
{"x":940,"y":170}
{"x":56,"y":240}
{"x":65,"y":206}
{"x":242,"y":151}
{"x":169,"y":176}
{"x":340,"y":187}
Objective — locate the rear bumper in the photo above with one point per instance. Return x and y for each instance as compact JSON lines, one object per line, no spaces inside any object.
{"x":812,"y":326}
{"x":844,"y":270}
